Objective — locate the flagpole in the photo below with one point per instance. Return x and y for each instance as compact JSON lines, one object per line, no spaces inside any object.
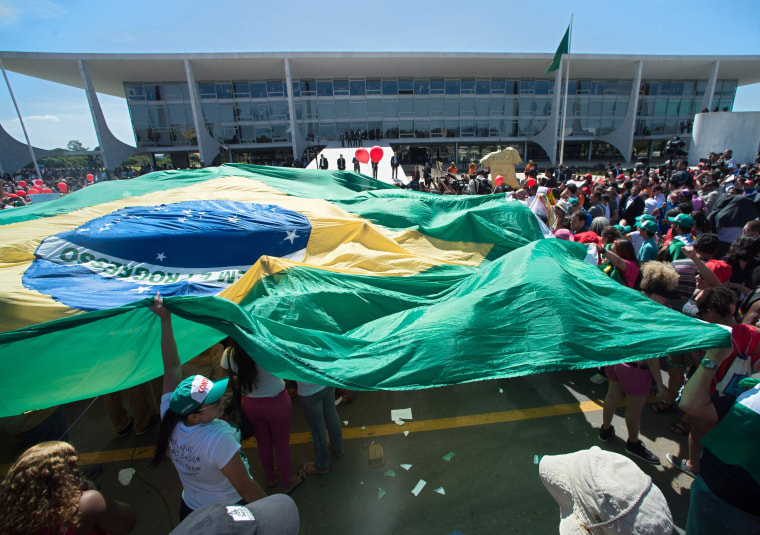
{"x":564,"y":107}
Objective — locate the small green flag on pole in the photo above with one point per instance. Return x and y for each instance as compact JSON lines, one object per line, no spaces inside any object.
{"x":563,"y":48}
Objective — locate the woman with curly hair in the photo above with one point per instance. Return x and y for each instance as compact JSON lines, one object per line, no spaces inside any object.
{"x":43,"y":493}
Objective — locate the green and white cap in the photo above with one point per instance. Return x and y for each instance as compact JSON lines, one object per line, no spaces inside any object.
{"x":195,"y":391}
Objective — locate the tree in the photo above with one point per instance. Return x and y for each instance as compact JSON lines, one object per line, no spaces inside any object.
{"x":75,"y":145}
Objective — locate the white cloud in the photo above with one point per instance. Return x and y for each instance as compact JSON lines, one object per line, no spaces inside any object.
{"x":12,"y":11}
{"x":43,"y":118}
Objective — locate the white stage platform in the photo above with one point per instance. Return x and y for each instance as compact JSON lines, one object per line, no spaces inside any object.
{"x":333,"y":151}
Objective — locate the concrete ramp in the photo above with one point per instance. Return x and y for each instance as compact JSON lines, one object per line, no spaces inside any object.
{"x":333,"y":151}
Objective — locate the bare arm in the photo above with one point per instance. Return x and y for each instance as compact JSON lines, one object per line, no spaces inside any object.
{"x":695,"y":399}
{"x":707,"y":275}
{"x":111,"y":516}
{"x":169,"y":354}
{"x":614,"y":259}
{"x":239,"y":477}
{"x":753,"y":314}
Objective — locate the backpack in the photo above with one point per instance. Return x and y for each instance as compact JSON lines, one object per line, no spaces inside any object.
{"x":740,"y":367}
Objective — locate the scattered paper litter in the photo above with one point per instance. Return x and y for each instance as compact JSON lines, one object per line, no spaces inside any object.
{"x":448,"y":456}
{"x":501,"y":391}
{"x":125,"y":476}
{"x":380,"y":493}
{"x":440,"y":490}
{"x":418,"y":487}
{"x":406,"y":466}
{"x":390,"y":473}
{"x":401,"y":414}
{"x":363,"y":428}
{"x":406,"y":433}
{"x":399,"y":422}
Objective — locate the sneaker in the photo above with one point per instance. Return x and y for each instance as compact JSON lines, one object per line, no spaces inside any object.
{"x":681,"y":464}
{"x":127,"y":430}
{"x":606,"y":434}
{"x":598,"y":379}
{"x":638,"y":450}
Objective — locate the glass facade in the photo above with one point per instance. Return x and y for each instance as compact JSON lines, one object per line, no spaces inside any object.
{"x":412,"y":110}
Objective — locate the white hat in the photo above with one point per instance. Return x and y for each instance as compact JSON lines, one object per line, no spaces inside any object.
{"x":603,"y":493}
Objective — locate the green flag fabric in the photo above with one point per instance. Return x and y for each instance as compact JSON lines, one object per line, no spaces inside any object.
{"x":734,"y":439}
{"x":563,"y":48}
{"x":322,"y":276}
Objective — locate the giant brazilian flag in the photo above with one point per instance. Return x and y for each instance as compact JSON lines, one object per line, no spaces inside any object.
{"x":326,"y":277}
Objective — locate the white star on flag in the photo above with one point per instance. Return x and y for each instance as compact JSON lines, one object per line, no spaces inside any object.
{"x":291,"y":235}
{"x":161,"y":257}
{"x":143,"y":289}
{"x":182,"y":219}
{"x":233,"y":219}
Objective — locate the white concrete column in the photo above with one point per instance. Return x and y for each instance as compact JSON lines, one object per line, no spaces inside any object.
{"x":294,"y":134}
{"x":113,"y":151}
{"x":208,"y":147}
{"x":622,"y":137}
{"x":707,"y":98}
{"x":549,"y":136}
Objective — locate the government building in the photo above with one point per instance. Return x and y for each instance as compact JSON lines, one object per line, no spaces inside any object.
{"x":445,"y":106}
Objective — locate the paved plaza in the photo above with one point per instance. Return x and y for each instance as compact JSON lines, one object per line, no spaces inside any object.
{"x":490,"y":485}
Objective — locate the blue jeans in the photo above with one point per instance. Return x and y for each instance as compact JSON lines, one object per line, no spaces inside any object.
{"x":708,"y":514}
{"x":320,"y":410}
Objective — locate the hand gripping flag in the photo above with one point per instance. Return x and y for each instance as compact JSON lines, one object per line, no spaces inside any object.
{"x":327,"y":277}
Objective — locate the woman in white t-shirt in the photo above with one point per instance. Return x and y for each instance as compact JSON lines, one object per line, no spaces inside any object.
{"x":267,"y":407}
{"x":204,"y":450}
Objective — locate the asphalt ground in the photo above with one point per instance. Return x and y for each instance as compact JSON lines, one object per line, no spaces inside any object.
{"x":490,"y":485}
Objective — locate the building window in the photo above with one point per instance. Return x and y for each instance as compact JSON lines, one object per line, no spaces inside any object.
{"x":324,"y":88}
{"x":258,"y":90}
{"x":341,"y":87}
{"x":224,"y":90}
{"x":357,"y":88}
{"x":374,"y":87}
{"x":405,"y":87}
{"x":207,"y":90}
{"x":452,"y":87}
{"x":390,"y":87}
{"x":134,"y":92}
{"x":498,"y":86}
{"x":276,"y":88}
{"x":422,"y":87}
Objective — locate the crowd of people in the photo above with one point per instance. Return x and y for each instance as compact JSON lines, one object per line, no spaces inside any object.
{"x":687,"y":238}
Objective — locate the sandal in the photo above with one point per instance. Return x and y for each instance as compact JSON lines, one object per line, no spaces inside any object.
{"x":661,"y":407}
{"x":297,"y":479}
{"x":681,"y":464}
{"x":312,"y":468}
{"x":681,"y":428}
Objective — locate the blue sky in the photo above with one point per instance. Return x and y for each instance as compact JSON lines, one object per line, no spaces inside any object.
{"x":55,"y":114}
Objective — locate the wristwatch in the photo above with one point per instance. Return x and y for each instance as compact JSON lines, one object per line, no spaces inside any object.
{"x":710,"y":365}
